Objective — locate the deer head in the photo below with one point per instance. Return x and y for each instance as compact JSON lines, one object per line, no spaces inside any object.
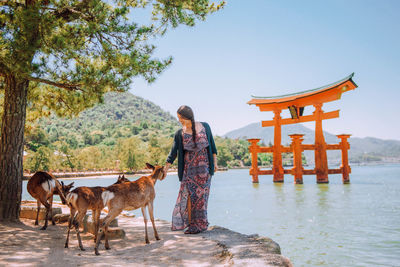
{"x":158,"y":171}
{"x":65,"y":190}
{"x":122,"y":179}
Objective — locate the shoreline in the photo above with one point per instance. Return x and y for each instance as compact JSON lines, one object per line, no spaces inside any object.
{"x":218,"y":246}
{"x":96,"y":174}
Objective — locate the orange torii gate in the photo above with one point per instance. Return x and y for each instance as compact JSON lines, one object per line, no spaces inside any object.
{"x":296,"y":103}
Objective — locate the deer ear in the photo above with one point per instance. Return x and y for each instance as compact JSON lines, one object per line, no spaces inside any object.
{"x":62,"y":183}
{"x":119,"y":177}
{"x":149,"y":166}
{"x":123,"y":176}
{"x":71,"y":185}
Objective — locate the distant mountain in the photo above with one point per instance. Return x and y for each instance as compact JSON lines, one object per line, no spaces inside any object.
{"x":361,"y":149}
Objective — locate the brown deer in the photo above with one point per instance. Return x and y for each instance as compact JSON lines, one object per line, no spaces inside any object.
{"x":42,"y":186}
{"x":80,"y":200}
{"x":131,"y":196}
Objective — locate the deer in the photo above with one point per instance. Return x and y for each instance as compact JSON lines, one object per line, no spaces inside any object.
{"x":131,"y":196}
{"x":80,"y":200}
{"x":42,"y":186}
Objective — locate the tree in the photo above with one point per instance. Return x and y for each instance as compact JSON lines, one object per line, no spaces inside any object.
{"x":224,"y":155}
{"x":39,"y":160}
{"x":131,"y":161}
{"x":63,"y":55}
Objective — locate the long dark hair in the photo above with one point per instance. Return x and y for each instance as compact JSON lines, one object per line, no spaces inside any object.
{"x":187,"y":113}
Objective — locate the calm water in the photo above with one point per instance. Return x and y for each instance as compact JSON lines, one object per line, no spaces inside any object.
{"x":357,"y":224}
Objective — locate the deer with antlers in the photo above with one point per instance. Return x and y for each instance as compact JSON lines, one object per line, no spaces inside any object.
{"x":80,"y":200}
{"x":42,"y":186}
{"x":131,"y":196}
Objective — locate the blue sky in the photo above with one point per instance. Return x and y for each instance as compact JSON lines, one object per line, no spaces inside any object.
{"x":269,"y":48}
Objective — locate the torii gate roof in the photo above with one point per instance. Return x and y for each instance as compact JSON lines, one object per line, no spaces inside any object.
{"x":327,"y":93}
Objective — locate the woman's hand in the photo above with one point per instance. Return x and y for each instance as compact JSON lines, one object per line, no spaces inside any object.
{"x":165,"y":169}
{"x":215,"y":162}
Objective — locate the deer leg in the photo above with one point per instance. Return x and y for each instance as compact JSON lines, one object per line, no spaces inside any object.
{"x":70,"y":220}
{"x":51,"y":210}
{"x":77,"y":222}
{"x":96,"y":221}
{"x":37,"y":214}
{"x":96,"y":246}
{"x":104,"y":226}
{"x":47,"y":205}
{"x":106,"y":245}
{"x":145,"y":224}
{"x":150,"y":208}
{"x":106,"y":223}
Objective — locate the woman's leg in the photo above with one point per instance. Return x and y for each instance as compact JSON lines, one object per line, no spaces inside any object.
{"x":198,"y":205}
{"x":180,"y":213}
{"x":189,"y":209}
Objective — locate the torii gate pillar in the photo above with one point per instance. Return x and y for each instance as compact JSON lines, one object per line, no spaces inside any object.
{"x":321,"y":160}
{"x":277,"y":168}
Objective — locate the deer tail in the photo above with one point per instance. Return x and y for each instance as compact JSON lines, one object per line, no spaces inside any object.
{"x":107,"y":196}
{"x":71,"y":199}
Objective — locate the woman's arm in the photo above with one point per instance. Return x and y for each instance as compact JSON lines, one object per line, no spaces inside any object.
{"x":174,"y":151}
{"x":212,"y":144}
{"x":172,"y":154}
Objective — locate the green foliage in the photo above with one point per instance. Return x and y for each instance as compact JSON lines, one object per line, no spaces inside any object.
{"x":39,"y":160}
{"x":232,"y":153}
{"x":131,"y":161}
{"x":97,"y":140}
{"x":100,"y":126}
{"x":36,"y":138}
{"x":74,"y":51}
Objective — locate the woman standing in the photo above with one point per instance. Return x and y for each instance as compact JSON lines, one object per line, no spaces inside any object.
{"x":197,"y":161}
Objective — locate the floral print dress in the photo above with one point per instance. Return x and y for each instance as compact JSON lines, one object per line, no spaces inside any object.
{"x":195,"y":183}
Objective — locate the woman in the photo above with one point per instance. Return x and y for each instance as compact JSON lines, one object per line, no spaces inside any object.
{"x":197,"y":161}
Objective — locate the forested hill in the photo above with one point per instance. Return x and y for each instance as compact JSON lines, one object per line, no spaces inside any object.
{"x":121,"y":115}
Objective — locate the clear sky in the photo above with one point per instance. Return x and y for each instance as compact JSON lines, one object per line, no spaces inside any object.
{"x":269,"y":48}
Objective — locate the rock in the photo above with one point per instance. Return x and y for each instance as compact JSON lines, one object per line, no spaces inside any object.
{"x":61,"y":218}
{"x":88,"y":224}
{"x":246,"y":250}
{"x":115,"y":233}
{"x":29,"y":212}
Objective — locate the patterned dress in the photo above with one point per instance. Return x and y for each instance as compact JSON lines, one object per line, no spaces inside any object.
{"x":196,"y":182}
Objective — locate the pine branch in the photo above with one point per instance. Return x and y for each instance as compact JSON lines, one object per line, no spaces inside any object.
{"x":68,"y":86}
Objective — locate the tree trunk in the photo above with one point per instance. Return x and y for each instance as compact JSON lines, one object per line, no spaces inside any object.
{"x":12,"y":147}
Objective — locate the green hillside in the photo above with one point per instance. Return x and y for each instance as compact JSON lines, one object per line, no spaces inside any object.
{"x":122,"y":115}
{"x":123,"y":133}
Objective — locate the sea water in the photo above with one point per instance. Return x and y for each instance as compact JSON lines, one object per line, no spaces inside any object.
{"x":335,"y":224}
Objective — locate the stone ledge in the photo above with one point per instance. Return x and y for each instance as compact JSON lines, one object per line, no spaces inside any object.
{"x":29,"y":212}
{"x":246,"y":250}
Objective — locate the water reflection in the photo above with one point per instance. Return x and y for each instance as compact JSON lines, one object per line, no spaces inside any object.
{"x":322,"y":195}
{"x":280,"y":195}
